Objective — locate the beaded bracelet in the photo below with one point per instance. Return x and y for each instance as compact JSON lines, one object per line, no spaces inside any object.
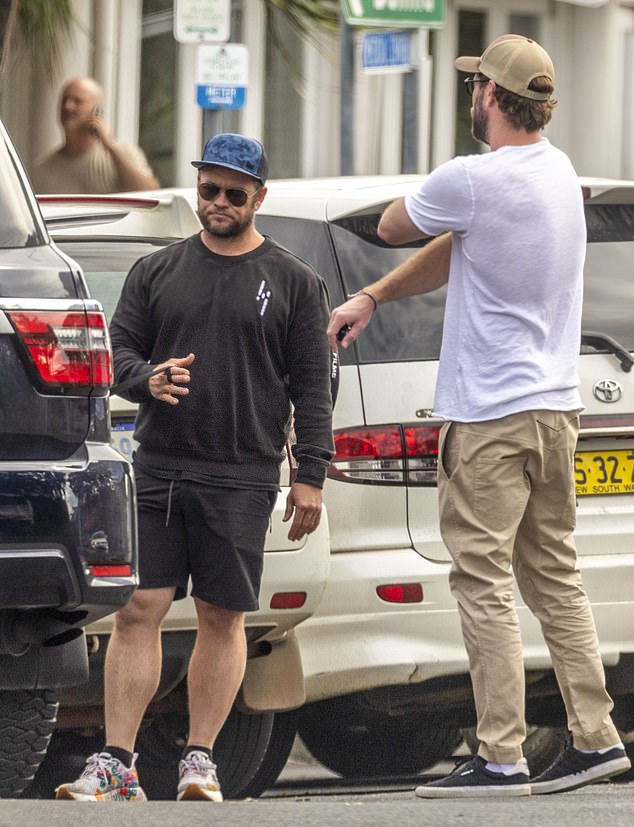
{"x":367,"y":293}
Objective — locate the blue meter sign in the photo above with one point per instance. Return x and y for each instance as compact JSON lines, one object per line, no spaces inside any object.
{"x":222,"y":76}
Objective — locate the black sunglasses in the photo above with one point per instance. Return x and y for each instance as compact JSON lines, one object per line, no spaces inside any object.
{"x":469,"y":83}
{"x":237,"y":197}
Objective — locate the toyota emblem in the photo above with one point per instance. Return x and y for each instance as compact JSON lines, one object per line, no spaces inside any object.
{"x":607,"y":390}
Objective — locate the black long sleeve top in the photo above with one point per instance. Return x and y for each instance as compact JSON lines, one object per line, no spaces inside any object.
{"x":257,"y":326}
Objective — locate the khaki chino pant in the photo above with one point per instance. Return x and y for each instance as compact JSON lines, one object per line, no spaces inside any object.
{"x":507,"y":507}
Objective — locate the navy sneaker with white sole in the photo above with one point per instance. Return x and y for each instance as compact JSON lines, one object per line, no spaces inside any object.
{"x":573,"y":769}
{"x":473,"y":780}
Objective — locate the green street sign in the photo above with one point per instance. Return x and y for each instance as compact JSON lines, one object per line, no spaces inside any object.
{"x":394,"y":14}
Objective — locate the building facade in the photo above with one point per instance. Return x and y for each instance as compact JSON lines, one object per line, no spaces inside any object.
{"x":316,"y":120}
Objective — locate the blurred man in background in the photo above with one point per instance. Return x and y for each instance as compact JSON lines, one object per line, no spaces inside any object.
{"x":91,"y":159}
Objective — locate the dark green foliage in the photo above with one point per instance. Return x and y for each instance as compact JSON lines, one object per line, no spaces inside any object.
{"x":39,"y":26}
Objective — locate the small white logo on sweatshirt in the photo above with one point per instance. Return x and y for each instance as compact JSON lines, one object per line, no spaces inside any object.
{"x":263,"y":297}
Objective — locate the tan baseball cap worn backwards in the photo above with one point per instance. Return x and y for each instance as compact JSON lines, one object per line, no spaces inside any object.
{"x":512,"y":61}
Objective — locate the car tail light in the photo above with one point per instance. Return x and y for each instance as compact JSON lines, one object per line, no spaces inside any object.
{"x":123,"y":570}
{"x":387,"y":454}
{"x":401,"y":592}
{"x":288,"y":600}
{"x":69,"y":349}
{"x":422,"y":453}
{"x":366,"y":455}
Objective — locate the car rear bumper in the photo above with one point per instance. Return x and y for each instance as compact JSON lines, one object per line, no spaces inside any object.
{"x":68,"y":536}
{"x":357,"y":642}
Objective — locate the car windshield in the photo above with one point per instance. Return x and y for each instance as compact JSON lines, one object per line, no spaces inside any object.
{"x":411,"y":329}
{"x":17,"y":227}
{"x":106,"y":263}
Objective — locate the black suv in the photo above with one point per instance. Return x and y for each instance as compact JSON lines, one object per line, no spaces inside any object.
{"x":67,"y":523}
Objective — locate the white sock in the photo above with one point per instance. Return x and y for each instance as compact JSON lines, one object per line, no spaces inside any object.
{"x":508,"y":769}
{"x":600,"y":751}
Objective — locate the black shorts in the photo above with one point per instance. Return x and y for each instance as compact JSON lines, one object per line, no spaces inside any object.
{"x":214,"y":535}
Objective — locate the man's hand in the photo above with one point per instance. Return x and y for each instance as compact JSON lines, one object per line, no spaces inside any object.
{"x":304,"y":501}
{"x":131,"y":175}
{"x":349,"y":320}
{"x":168,"y":386}
{"x":99,"y":127}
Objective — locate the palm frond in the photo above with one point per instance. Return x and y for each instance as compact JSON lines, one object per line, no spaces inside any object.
{"x":306,"y":15}
{"x":38,"y":26}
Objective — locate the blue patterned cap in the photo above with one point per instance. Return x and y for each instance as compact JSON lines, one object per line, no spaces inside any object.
{"x":236,"y":152}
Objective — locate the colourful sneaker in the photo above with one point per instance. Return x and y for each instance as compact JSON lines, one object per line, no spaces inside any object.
{"x":573,"y":769}
{"x":197,"y":778}
{"x":104,"y":779}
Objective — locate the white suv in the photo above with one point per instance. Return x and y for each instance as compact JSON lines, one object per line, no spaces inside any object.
{"x":106,"y":235}
{"x":386,"y":674}
{"x":385,"y":668}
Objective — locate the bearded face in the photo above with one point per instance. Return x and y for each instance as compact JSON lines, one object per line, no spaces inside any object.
{"x":480,"y":117}
{"x":219,"y":214}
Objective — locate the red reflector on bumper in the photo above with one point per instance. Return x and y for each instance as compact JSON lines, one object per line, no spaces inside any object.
{"x":401,"y":593}
{"x":288,"y":600}
{"x":124,"y":570}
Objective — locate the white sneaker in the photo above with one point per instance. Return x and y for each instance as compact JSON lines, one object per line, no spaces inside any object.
{"x":197,"y":778}
{"x":104,"y":779}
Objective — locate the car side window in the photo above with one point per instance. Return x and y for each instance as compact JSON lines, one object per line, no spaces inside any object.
{"x":410,"y":329}
{"x":608,"y":283}
{"x":17,"y":228}
{"x":106,"y":263}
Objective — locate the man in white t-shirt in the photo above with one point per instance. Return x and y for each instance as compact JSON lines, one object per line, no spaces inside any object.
{"x":510,"y":245}
{"x":91,"y":161}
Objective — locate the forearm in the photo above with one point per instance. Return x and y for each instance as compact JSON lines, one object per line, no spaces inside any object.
{"x":314,"y":447}
{"x":423,"y":272}
{"x":131,"y":177}
{"x":128,"y":364}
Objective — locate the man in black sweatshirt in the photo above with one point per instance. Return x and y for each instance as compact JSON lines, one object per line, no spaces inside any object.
{"x":238,"y":324}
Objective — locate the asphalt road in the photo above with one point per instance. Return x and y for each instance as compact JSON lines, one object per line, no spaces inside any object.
{"x":599,"y":806}
{"x":307,"y":795}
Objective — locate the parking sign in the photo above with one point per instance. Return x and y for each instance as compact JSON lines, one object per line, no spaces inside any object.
{"x":222,"y":76}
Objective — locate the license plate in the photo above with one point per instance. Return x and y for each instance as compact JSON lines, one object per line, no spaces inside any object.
{"x":122,"y":438}
{"x":604,"y":472}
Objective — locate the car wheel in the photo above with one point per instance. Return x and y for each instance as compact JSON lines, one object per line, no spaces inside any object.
{"x":27,"y":721}
{"x":542,"y":745}
{"x":280,"y":745}
{"x":401,"y":745}
{"x":65,"y":761}
{"x":239,"y":752}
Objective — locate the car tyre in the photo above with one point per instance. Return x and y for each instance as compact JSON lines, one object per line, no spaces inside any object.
{"x":65,"y":760}
{"x":283,"y":736}
{"x":381,"y":746}
{"x":239,"y":752}
{"x":542,"y":745}
{"x":27,"y":721}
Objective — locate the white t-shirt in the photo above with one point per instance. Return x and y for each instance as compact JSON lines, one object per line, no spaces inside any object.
{"x":512,"y":323}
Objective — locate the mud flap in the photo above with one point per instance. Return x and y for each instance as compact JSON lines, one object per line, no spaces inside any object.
{"x":274,"y":682}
